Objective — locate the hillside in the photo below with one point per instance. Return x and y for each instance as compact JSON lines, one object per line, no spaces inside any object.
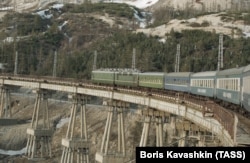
{"x":221,"y":23}
{"x":39,"y":31}
{"x":206,"y":5}
{"x":76,"y":31}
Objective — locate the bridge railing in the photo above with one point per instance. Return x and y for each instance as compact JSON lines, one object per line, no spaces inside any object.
{"x":209,"y":108}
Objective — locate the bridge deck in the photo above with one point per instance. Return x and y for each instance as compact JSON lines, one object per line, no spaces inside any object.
{"x":216,"y":124}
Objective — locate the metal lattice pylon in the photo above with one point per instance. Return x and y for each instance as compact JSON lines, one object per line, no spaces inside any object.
{"x":177,"y":60}
{"x":40,"y":132}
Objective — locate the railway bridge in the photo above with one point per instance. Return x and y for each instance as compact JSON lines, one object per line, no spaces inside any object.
{"x":158,"y":109}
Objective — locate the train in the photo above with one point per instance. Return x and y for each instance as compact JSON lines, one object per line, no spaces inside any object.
{"x":228,"y":86}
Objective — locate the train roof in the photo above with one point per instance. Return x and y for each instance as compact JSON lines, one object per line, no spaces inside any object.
{"x":232,"y":71}
{"x":179,"y":74}
{"x":121,"y":70}
{"x":247,"y":68}
{"x":204,"y":74}
{"x":152,"y":73}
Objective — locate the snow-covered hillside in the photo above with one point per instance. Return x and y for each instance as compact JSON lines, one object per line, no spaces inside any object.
{"x":208,"y":5}
{"x":215,"y":24}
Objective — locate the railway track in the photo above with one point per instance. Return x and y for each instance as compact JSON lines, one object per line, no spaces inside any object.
{"x":208,"y":107}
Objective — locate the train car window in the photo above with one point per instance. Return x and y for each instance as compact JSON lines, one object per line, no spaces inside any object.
{"x":248,"y":85}
{"x":245,"y":85}
{"x":234,"y":84}
{"x":230,"y":84}
{"x":237,"y":85}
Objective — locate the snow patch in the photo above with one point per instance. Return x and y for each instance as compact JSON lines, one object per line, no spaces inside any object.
{"x":12,"y":152}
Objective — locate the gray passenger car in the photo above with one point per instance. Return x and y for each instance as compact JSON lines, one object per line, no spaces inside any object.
{"x":203,"y":83}
{"x":246,"y":88}
{"x":178,"y":81}
{"x":229,"y":85}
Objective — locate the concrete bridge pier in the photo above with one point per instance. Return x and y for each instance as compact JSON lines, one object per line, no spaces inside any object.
{"x":190,"y":134}
{"x":156,"y":117}
{"x":40,"y":131}
{"x":145,"y":131}
{"x":159,"y":131}
{"x":5,"y":103}
{"x":76,"y":145}
{"x":105,"y":155}
{"x":182,"y":140}
{"x":170,"y":128}
{"x":201,"y":140}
